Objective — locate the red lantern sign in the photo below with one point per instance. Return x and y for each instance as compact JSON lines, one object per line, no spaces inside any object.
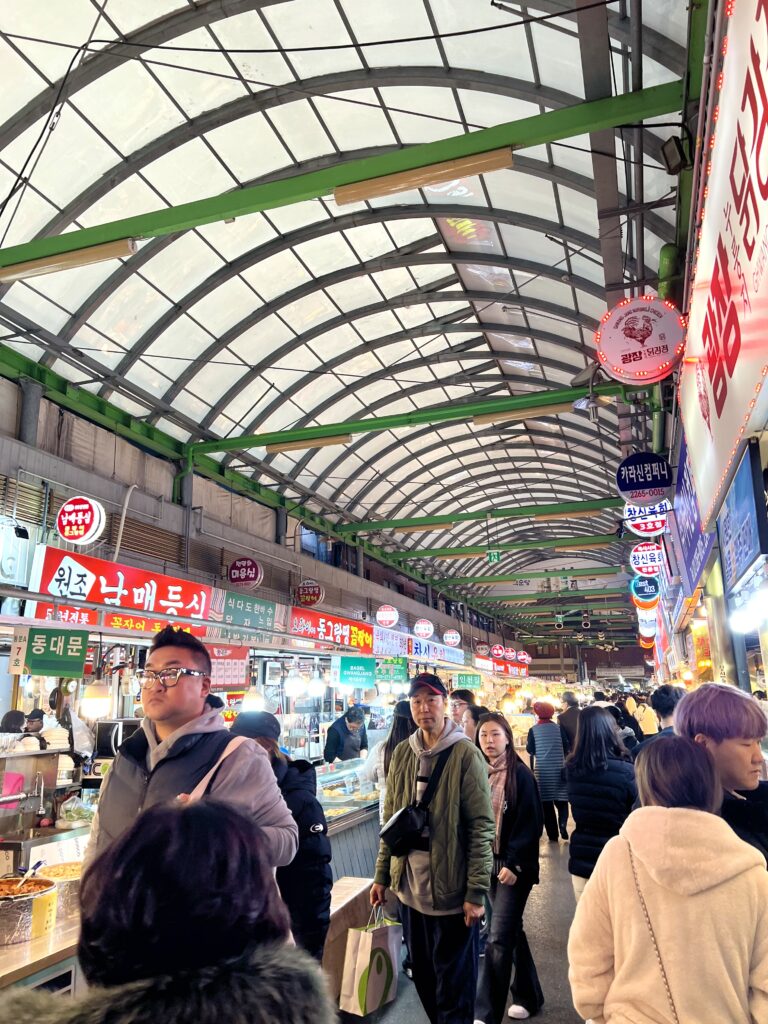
{"x":80,"y":520}
{"x":309,"y":593}
{"x":641,"y":340}
{"x":387,"y":616}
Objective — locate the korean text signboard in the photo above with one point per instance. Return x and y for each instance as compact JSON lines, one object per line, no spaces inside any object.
{"x":389,"y":644}
{"x":692,"y":545}
{"x":641,"y":339}
{"x":431,"y":653}
{"x":80,"y":520}
{"x":742,"y":525}
{"x":387,"y":616}
{"x":229,"y":666}
{"x":392,"y":670}
{"x":722,"y":394}
{"x":351,"y":671}
{"x":244,"y":610}
{"x":144,"y":601}
{"x":331,"y":629}
{"x":309,"y":593}
{"x":647,"y":521}
{"x":49,"y":652}
{"x":501,"y":668}
{"x":644,"y":478}
{"x":646,"y":559}
{"x":245,"y":572}
{"x":467,"y":681}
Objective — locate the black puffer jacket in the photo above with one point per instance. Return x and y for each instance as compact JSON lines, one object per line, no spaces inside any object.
{"x":521,"y":828}
{"x":600,"y":803}
{"x":305,"y":884}
{"x":748,"y":817}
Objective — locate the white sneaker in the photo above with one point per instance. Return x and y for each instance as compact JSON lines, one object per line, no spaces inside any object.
{"x":518,"y":1012}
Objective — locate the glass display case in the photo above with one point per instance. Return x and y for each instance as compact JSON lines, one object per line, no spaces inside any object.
{"x":347,"y":797}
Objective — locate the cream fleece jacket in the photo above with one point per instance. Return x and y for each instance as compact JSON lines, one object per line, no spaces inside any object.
{"x":707,"y":897}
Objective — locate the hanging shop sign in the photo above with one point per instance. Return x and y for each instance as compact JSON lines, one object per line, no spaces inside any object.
{"x":309,"y":593}
{"x":497,"y":651}
{"x":143,"y":601}
{"x":238,"y":609}
{"x":423,"y":629}
{"x":331,"y":629}
{"x":392,"y":670}
{"x":245,"y":572}
{"x":723,"y":397}
{"x":387,"y":616}
{"x":647,"y":630}
{"x":641,"y":340}
{"x":40,"y":651}
{"x":501,"y":668}
{"x":647,"y":521}
{"x":81,"y":520}
{"x":647,"y":558}
{"x":644,"y":478}
{"x":432,"y":653}
{"x":493,"y":557}
{"x":389,"y":644}
{"x":482,"y":649}
{"x":524,"y":657}
{"x":359,"y":673}
{"x":645,"y":643}
{"x":645,"y":591}
{"x":510,"y":654}
{"x":229,"y":666}
{"x":467,"y":681}
{"x":692,"y":545}
{"x":452,"y":638}
{"x":742,"y":526}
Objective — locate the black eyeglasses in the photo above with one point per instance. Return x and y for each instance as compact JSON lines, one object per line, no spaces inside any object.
{"x":167,"y":678}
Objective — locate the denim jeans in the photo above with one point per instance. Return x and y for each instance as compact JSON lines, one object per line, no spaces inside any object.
{"x":507,"y":946}
{"x":444,"y":959}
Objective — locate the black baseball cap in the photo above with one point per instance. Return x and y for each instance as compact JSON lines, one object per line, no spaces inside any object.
{"x":35,"y":714}
{"x":428,"y":681}
{"x":256,"y":724}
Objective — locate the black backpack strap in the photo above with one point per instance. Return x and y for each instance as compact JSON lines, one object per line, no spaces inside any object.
{"x":434,"y":778}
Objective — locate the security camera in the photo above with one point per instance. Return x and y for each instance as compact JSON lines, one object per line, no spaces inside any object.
{"x":585,"y":623}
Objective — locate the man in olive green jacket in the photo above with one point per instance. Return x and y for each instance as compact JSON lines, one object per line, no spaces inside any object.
{"x":442,"y":882}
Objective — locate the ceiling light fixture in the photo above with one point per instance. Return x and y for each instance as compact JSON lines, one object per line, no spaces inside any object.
{"x":581,"y":514}
{"x":314,"y":442}
{"x":120,"y":249}
{"x":432,"y":174}
{"x":426,"y":528}
{"x":522,"y":414}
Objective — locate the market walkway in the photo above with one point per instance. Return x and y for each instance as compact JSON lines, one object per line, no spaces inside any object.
{"x":547,"y":920}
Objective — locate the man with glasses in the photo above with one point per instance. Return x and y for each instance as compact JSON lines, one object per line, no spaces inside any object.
{"x":460,"y":700}
{"x":180,"y":741}
{"x":442,"y":882}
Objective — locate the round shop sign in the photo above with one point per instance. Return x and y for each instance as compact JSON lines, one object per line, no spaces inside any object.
{"x":387,"y":616}
{"x":81,"y":520}
{"x":423,"y":629}
{"x":482,"y":650}
{"x":309,"y":593}
{"x":641,"y":340}
{"x":647,"y":630}
{"x":645,"y":643}
{"x":451,"y":638}
{"x":524,"y":657}
{"x":648,"y":520}
{"x":644,"y":478}
{"x":646,"y":559}
{"x":510,"y":654}
{"x":645,"y":592}
{"x":245,"y":572}
{"x":497,"y":651}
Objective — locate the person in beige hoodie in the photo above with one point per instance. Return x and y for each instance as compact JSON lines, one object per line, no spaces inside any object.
{"x":672,"y":927}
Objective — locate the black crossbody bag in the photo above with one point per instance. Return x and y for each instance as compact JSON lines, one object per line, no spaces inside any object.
{"x":403,"y":830}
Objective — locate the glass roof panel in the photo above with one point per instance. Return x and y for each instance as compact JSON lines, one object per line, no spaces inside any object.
{"x":181,"y":266}
{"x":277,"y":274}
{"x":355,"y":125}
{"x":246,"y":32}
{"x":249,"y":147}
{"x":208,"y":83}
{"x":305,"y":23}
{"x":224,"y":306}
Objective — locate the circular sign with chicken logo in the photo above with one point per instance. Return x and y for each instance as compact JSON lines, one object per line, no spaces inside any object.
{"x":641,"y":340}
{"x":80,"y":520}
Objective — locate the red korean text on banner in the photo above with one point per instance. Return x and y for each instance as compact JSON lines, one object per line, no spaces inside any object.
{"x":314,"y":625}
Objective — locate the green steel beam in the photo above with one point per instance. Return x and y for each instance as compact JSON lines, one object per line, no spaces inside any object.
{"x":523,"y":512}
{"x":512,"y":576}
{"x":546,"y":601}
{"x":523,"y":545}
{"x":566,"y":122}
{"x":455,"y":412}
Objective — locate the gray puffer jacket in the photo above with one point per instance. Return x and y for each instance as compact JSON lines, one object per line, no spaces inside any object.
{"x":277,"y":983}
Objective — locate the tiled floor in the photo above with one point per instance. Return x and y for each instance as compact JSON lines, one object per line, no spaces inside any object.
{"x":547,"y":920}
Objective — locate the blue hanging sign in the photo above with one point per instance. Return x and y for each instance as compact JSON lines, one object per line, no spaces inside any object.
{"x":693,"y":546}
{"x":644,"y":478}
{"x":645,"y":588}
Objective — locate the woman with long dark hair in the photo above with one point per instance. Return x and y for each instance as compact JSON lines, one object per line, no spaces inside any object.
{"x":600,"y":778}
{"x":376,"y":768}
{"x":305,"y":884}
{"x":519,"y":822}
{"x":181,"y":922}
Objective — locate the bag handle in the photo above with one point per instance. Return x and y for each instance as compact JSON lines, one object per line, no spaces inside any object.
{"x":434,"y":778}
{"x":200,"y":789}
{"x":651,"y":932}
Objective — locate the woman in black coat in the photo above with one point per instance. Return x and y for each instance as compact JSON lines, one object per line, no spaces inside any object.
{"x":519,"y":822}
{"x":305,"y":884}
{"x":600,"y":777}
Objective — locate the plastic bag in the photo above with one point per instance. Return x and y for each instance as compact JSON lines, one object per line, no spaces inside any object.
{"x":74,"y":809}
{"x":82,"y":737}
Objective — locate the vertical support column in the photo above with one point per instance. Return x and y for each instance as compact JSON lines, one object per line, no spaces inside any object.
{"x":360,"y":561}
{"x":31,"y":397}
{"x":429,"y":595}
{"x":281,"y":526}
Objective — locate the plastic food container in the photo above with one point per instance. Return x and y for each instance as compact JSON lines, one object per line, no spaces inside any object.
{"x":26,"y":913}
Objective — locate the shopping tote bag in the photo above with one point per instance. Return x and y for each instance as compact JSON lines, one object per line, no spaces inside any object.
{"x":371,"y":965}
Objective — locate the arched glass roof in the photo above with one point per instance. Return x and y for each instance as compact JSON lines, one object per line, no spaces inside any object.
{"x":314,"y":313}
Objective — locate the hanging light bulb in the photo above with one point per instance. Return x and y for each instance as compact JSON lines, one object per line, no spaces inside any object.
{"x":253,"y":700}
{"x":316,"y":686}
{"x":294,"y":686}
{"x":384,"y":687}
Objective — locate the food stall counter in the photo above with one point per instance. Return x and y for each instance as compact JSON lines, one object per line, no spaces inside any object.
{"x":50,"y":960}
{"x":351,"y":805}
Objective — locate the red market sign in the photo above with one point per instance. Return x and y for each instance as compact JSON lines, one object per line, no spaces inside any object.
{"x":387,"y":616}
{"x":524,"y":657}
{"x":452,"y":638}
{"x":649,"y":521}
{"x":229,"y":666}
{"x":723,"y":397}
{"x":245,"y":572}
{"x":646,"y":559}
{"x":143,"y":601}
{"x":423,"y":629}
{"x":641,"y":340}
{"x":482,"y":649}
{"x":501,"y":668}
{"x":309,"y":593}
{"x":331,"y":629}
{"x":497,"y":651}
{"x":510,"y":654}
{"x":80,"y":520}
